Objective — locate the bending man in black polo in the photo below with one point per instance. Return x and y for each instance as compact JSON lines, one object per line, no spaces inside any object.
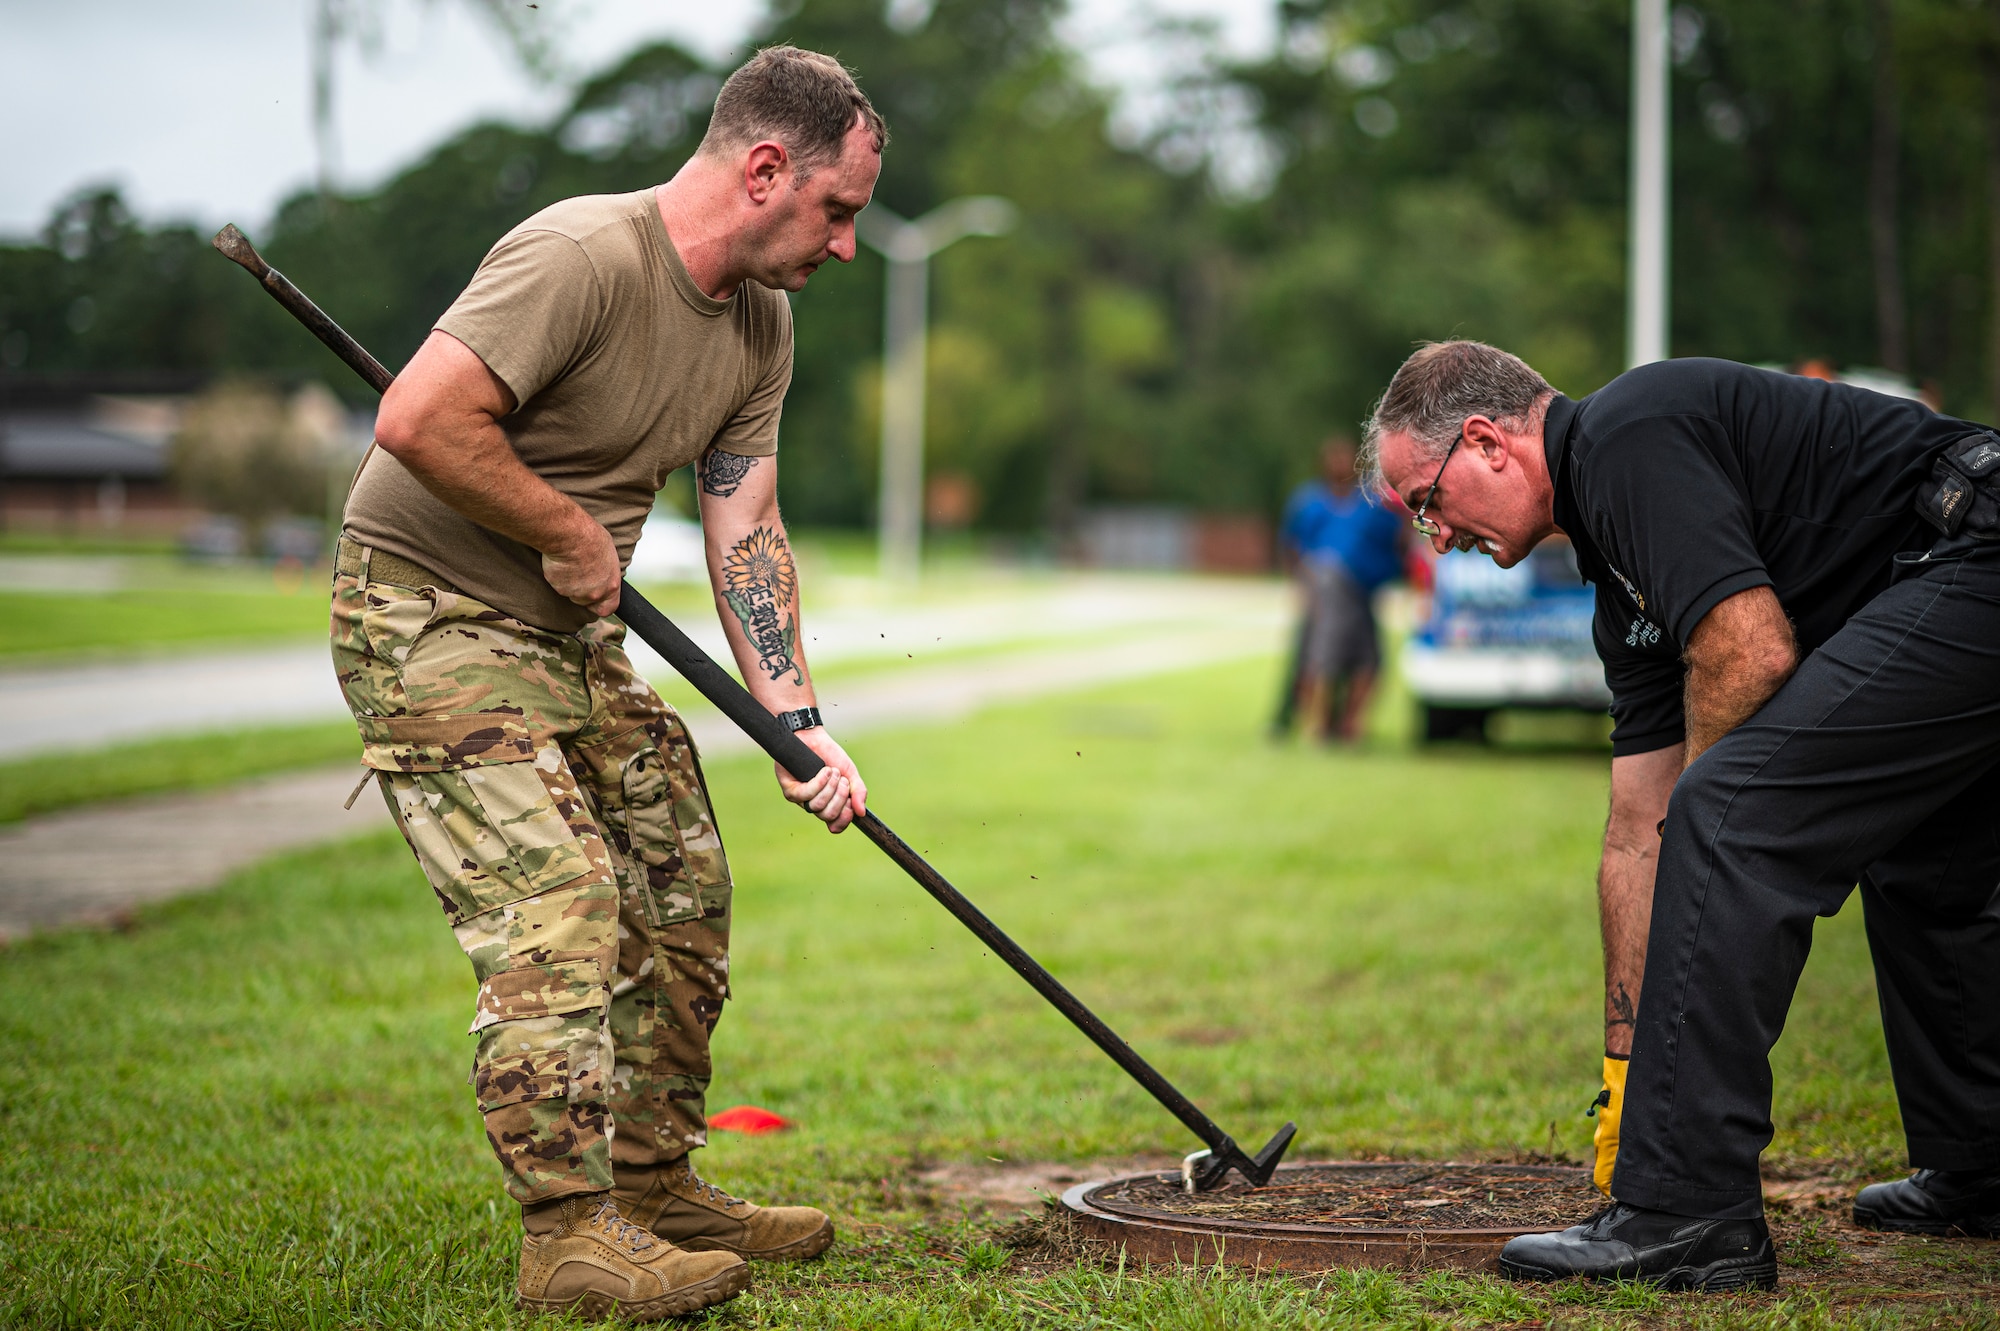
{"x":1806,"y":684}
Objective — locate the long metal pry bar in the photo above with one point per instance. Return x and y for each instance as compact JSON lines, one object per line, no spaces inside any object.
{"x":1205,"y":1169}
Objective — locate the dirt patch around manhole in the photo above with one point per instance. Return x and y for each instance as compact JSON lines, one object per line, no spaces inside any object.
{"x":1014,"y":1185}
{"x":1405,"y":1196}
{"x":1822,"y":1250}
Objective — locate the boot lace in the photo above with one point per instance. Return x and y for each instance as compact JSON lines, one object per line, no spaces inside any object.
{"x":631,"y":1237}
{"x":1604,"y":1220}
{"x":703,"y":1187}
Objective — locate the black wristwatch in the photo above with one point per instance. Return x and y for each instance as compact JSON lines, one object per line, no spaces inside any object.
{"x":804,"y":718}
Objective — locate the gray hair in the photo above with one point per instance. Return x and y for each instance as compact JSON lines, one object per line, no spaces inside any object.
{"x":1438,"y":387}
{"x":802,"y":99}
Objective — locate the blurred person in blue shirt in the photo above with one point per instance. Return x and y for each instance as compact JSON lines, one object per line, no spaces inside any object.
{"x":1342,"y":544}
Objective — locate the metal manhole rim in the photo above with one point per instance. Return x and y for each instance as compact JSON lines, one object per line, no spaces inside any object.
{"x":1075,"y":1201}
{"x":1289,"y":1244}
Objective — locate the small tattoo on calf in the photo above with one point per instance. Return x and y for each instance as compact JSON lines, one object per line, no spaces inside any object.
{"x":722,"y":472}
{"x":759,"y":581}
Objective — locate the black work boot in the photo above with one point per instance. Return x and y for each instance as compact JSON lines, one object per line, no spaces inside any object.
{"x":1934,"y":1201}
{"x":1672,"y":1251}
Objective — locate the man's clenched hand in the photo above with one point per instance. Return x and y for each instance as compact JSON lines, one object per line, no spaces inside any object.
{"x":584,"y":567}
{"x":837,"y":795}
{"x":441,"y":420}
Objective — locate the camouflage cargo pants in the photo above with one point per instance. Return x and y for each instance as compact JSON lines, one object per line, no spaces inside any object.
{"x":557,"y":806}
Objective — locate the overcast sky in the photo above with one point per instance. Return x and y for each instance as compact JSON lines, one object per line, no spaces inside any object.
{"x":199,"y":109}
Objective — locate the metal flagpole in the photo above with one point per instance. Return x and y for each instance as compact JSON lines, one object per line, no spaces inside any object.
{"x":1646,"y":295}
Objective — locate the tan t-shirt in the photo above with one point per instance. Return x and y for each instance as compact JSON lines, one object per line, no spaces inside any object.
{"x":624,"y":370}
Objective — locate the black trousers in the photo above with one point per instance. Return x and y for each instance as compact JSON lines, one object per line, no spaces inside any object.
{"x":1877,"y":763}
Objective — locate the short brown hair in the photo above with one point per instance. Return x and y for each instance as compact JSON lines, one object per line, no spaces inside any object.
{"x":1439,"y":386}
{"x":802,"y":99}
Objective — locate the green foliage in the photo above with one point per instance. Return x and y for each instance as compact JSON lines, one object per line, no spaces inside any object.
{"x":104,"y":292}
{"x":1430,"y":190}
{"x":1510,"y":118}
{"x":243,"y":449}
{"x":1442,"y":167}
{"x":1066,"y":350}
{"x":1058,"y":357}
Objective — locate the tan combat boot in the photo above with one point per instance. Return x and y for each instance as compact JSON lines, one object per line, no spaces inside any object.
{"x":591,"y":1261}
{"x":679,"y":1206}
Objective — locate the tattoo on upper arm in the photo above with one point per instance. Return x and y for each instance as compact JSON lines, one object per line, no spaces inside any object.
{"x":759,"y":581}
{"x":722,"y":472}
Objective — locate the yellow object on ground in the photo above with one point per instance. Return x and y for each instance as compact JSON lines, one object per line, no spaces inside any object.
{"x":1610,"y":1103}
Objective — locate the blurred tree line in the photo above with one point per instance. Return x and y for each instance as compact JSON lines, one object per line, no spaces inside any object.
{"x":1397,"y":170}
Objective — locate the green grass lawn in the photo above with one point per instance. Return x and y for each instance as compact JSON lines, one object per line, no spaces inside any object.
{"x":16,"y":542}
{"x":29,"y":786}
{"x":136,"y":601}
{"x":167,"y":605}
{"x":249,"y":1110}
{"x":161,"y":601}
{"x":48,"y":624}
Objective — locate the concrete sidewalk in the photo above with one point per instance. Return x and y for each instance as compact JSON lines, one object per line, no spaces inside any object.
{"x":96,"y":703}
{"x":94,"y":863}
{"x":92,"y":703}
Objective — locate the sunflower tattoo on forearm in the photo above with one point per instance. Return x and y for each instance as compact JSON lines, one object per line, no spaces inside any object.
{"x":759,"y":582}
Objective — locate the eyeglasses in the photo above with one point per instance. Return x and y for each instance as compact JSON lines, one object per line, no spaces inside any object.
{"x":1428,"y":526}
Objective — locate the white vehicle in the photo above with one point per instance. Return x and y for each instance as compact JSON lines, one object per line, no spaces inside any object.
{"x":1504,"y":637}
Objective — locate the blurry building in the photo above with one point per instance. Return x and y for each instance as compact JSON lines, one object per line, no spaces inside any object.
{"x":87,"y":452}
{"x":1147,"y":536}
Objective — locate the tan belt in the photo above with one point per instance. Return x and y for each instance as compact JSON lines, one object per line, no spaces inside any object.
{"x":351,"y":557}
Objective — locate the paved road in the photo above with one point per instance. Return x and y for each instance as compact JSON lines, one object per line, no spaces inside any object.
{"x":92,"y":864}
{"x":97,"y":703}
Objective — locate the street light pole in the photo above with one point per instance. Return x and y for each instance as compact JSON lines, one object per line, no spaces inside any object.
{"x":908,"y":246}
{"x":1646,"y":294}
{"x":899,"y":530}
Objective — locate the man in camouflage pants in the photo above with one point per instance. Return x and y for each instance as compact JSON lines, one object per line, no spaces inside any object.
{"x":555,"y":803}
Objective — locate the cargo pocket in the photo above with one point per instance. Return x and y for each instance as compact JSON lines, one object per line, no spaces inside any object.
{"x":540,"y":1060}
{"x":547,"y":956}
{"x":444,"y":743}
{"x":503,"y":1077}
{"x":492,"y":817}
{"x":511,"y":851}
{"x":694,"y":821}
{"x":392,"y":620}
{"x":673,"y":895}
{"x":543,"y":1093}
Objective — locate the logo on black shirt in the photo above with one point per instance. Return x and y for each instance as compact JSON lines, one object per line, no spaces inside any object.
{"x":1644,"y":632}
{"x":1630,"y":590}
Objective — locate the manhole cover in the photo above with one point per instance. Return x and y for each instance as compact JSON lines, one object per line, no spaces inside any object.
{"x":1314,"y":1216}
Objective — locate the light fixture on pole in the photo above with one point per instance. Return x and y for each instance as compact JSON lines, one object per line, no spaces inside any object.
{"x":1646,"y":255}
{"x":908,"y":246}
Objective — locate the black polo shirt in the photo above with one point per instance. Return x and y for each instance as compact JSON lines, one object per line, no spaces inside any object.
{"x":1684,"y":482}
